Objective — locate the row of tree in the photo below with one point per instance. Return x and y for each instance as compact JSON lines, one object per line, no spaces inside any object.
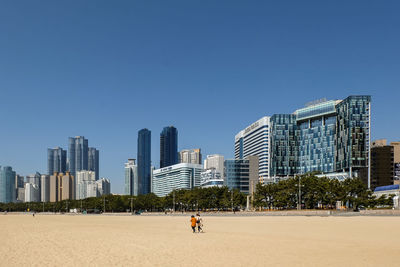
{"x":311,"y":191}
{"x":317,"y":193}
{"x":218,"y":198}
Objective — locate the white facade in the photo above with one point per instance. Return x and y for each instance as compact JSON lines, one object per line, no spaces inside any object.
{"x":84,"y":181}
{"x":215,"y":161}
{"x":255,"y":141}
{"x":32,"y":193}
{"x":91,"y":189}
{"x":131,"y":178}
{"x":210,"y":178}
{"x":178,"y":176}
{"x":45,"y":188}
{"x":103,"y":187}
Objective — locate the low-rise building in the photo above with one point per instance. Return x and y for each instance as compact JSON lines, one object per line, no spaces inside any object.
{"x":210,"y":178}
{"x":242,"y":174}
{"x":178,"y":176}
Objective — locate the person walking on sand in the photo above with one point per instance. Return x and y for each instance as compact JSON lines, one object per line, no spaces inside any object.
{"x":193,"y":223}
{"x":199,"y":222}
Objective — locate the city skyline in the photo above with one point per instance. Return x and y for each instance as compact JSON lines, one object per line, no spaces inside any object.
{"x":207,"y":72}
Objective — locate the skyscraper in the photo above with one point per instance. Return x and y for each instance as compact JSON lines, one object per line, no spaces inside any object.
{"x":103,"y":187}
{"x":33,"y":188}
{"x":77,"y":154}
{"x":7,"y":185}
{"x":62,"y":187}
{"x":168,"y":146}
{"x":56,"y":160}
{"x":83,"y":181}
{"x":45,"y":188}
{"x":144,"y":161}
{"x":131,"y":178}
{"x":93,"y":159}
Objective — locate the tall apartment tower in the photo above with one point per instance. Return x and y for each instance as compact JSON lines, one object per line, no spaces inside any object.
{"x":254,"y":140}
{"x":93,"y":161}
{"x":190,"y":156}
{"x":7,"y":185}
{"x":45,"y":188}
{"x":78,"y":154}
{"x":62,"y":187}
{"x":144,"y":161}
{"x":168,"y":146}
{"x":56,"y":160}
{"x":131,"y":178}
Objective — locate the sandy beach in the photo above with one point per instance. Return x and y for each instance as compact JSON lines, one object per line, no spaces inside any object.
{"x":100,"y":240}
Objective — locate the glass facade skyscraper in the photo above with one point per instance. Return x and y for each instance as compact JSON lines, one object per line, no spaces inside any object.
{"x":7,"y":185}
{"x":77,"y":154}
{"x":144,"y":161}
{"x":168,"y":146}
{"x":56,"y":160}
{"x":284,"y":145}
{"x":131,"y":178}
{"x":93,"y":161}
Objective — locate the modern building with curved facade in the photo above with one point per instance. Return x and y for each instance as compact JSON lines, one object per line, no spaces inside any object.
{"x":325,"y":136}
{"x":178,"y":176}
{"x":255,"y":141}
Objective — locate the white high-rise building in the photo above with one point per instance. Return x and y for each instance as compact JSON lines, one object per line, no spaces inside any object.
{"x":103,"y":187}
{"x":178,"y":176}
{"x":84,"y":181}
{"x":32,"y":192}
{"x":215,"y":162}
{"x":91,"y":189}
{"x":131,"y":178}
{"x":255,"y":141}
{"x":45,"y":188}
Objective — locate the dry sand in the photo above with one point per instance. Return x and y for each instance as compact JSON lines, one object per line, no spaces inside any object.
{"x":90,"y":240}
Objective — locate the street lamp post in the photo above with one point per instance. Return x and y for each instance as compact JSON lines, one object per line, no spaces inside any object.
{"x":131,"y":204}
{"x":299,"y":196}
{"x":232,"y":200}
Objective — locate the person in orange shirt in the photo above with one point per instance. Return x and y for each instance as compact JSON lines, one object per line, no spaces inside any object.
{"x":193,"y":221}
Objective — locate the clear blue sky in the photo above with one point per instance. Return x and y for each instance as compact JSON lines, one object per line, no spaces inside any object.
{"x":106,"y":69}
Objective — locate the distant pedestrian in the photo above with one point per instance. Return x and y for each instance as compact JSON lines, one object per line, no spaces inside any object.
{"x":193,"y":223}
{"x":199,"y":222}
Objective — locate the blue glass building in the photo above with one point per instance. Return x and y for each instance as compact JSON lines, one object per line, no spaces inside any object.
{"x":77,"y":154}
{"x":284,"y":145}
{"x":328,"y":136}
{"x":144,"y":161}
{"x":56,"y":160}
{"x":93,"y":161}
{"x":7,"y":185}
{"x":168,"y":147}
